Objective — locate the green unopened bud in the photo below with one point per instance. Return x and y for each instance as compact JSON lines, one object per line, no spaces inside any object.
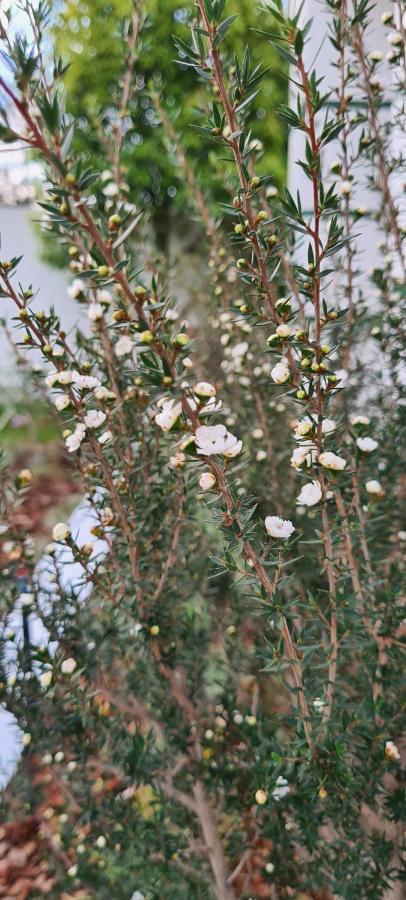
{"x":103,"y":271}
{"x":305,"y":363}
{"x":255,"y":182}
{"x":167,"y":379}
{"x":181,"y":340}
{"x":114,"y":222}
{"x":146,"y":337}
{"x":239,"y":228}
{"x":300,"y":395}
{"x":64,"y":208}
{"x":242,"y":264}
{"x":332,"y":314}
{"x":262,"y":216}
{"x":73,"y":251}
{"x":28,"y":294}
{"x":70,"y":178}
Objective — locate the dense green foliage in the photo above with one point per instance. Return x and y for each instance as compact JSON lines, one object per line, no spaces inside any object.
{"x":89,"y":35}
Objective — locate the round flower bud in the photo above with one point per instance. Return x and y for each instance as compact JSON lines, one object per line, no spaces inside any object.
{"x":207,"y":481}
{"x":261,"y":797}
{"x":26,"y":739}
{"x":68,"y":666}
{"x":181,"y":340}
{"x":283,"y":331}
{"x":60,"y":532}
{"x":154,"y":630}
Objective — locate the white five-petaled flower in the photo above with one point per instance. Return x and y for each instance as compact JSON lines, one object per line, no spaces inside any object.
{"x":60,"y":531}
{"x":216,"y":439}
{"x":124,"y":346}
{"x":280,"y":373}
{"x":310,"y":494}
{"x":366,"y":444}
{"x":169,"y":414}
{"x":391,"y":751}
{"x":279,"y":528}
{"x":207,"y":480}
{"x":330,"y":460}
{"x":374,"y":487}
{"x":282,"y":788}
{"x":94,"y":418}
{"x":68,"y":666}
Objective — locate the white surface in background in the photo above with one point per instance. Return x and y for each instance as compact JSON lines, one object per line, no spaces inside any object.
{"x":81,"y":522}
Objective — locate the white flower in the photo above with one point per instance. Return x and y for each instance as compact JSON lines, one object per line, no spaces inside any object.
{"x":95,"y":312}
{"x":72,"y":871}
{"x":177,"y":461}
{"x":282,"y":788}
{"x":366,"y":444}
{"x":279,"y":528}
{"x":306,"y":453}
{"x":26,"y":598}
{"x":280,"y":373}
{"x":310,"y":494}
{"x":68,"y":666}
{"x":233,"y":451}
{"x":105,"y":437}
{"x":62,"y":402}
{"x":345,"y":188}
{"x":101,"y":841}
{"x":124,"y":346}
{"x":374,"y":487}
{"x":215,"y":439}
{"x":75,"y":289}
{"x":87,"y":382}
{"x":360,"y":420}
{"x":57,"y":351}
{"x":283,"y":331}
{"x":59,"y":756}
{"x":26,"y":739}
{"x":391,"y":751}
{"x":205,"y":389}
{"x":207,"y":480}
{"x":395,"y":38}
{"x":45,"y":678}
{"x":60,"y":531}
{"x":94,"y":418}
{"x":51,"y":379}
{"x":257,"y":434}
{"x":64,"y":377}
{"x":105,"y":297}
{"x":261,"y":455}
{"x":319,"y":704}
{"x":102,"y":393}
{"x":331,"y":461}
{"x":303,"y":427}
{"x":169,"y":415}
{"x":187,"y":362}
{"x":74,"y":440}
{"x":111,"y":190}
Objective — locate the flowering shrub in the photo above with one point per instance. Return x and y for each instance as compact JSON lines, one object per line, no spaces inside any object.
{"x":215,"y":704}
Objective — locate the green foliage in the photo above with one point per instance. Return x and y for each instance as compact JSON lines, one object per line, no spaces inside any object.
{"x":89,"y":36}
